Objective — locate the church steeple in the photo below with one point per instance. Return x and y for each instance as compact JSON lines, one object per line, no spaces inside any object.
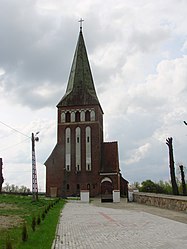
{"x":80,"y":89}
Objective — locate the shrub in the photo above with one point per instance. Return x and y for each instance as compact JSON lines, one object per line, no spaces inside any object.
{"x":24,"y":233}
{"x":150,"y":186}
{"x":38,"y":220}
{"x":8,"y":243}
{"x":43,"y":215}
{"x":33,"y":225}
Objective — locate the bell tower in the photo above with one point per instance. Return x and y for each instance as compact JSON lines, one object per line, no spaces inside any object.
{"x":80,"y":130}
{"x":81,"y":160}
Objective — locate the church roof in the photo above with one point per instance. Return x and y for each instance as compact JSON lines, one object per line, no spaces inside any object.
{"x":110,"y":161}
{"x":80,"y":89}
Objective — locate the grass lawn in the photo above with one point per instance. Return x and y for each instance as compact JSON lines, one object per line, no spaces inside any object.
{"x":15,"y":211}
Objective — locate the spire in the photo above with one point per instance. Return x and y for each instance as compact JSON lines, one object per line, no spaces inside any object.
{"x":80,"y":89}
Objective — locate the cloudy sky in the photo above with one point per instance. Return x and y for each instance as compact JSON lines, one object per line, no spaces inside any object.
{"x":138,"y":55}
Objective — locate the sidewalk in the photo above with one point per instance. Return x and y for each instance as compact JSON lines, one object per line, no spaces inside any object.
{"x":117,"y":226}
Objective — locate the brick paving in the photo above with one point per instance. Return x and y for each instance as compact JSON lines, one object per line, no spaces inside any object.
{"x":89,"y":226}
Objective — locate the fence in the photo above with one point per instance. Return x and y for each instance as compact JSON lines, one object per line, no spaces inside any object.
{"x":173,"y":202}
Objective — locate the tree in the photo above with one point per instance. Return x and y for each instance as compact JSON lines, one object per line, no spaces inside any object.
{"x":183,"y":179}
{"x":166,"y":186}
{"x":171,"y":166}
{"x":1,"y":174}
{"x":150,"y":186}
{"x":16,"y":189}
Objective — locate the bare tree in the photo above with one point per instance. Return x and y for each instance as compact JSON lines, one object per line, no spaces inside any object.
{"x":183,"y":179}
{"x":1,"y":174}
{"x":171,"y":166}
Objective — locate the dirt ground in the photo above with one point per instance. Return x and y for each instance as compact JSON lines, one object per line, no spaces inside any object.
{"x":8,"y":221}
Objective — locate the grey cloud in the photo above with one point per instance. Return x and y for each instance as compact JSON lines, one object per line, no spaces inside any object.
{"x":34,"y":49}
{"x":147,"y":42}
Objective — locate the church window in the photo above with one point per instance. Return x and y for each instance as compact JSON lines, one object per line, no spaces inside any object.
{"x":72,"y":116}
{"x":92,"y":115}
{"x":67,"y":117}
{"x":88,"y":148}
{"x":63,"y":117}
{"x":82,"y":116}
{"x":77,"y":116}
{"x":87,"y":115}
{"x":78,"y":148}
{"x":68,"y":149}
{"x":67,"y":186}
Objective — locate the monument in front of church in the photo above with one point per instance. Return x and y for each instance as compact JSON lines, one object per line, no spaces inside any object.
{"x":81,"y":160}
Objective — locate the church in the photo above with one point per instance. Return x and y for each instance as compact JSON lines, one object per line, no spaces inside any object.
{"x":81,"y":160}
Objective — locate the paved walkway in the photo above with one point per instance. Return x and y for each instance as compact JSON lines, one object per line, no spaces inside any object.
{"x":118,"y":226}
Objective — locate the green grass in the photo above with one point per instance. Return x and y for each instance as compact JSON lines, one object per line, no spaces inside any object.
{"x":25,"y":209}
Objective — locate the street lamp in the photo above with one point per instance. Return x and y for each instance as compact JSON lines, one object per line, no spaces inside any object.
{"x":34,"y":138}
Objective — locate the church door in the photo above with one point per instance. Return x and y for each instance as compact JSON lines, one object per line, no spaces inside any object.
{"x":106,"y":190}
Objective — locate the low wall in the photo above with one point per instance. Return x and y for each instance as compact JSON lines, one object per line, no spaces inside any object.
{"x":178,"y":203}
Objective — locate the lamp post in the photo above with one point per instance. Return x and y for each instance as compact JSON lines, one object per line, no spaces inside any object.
{"x":34,"y":139}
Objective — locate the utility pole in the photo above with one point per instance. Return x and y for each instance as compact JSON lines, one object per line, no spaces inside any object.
{"x":183,"y":180}
{"x":34,"y":173}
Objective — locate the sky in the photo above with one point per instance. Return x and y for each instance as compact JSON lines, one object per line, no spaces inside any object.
{"x":138,"y":55}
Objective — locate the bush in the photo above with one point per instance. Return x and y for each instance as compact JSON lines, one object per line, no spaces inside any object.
{"x":38,"y":220}
{"x":24,"y":233}
{"x":153,"y":187}
{"x":43,"y":215}
{"x":33,"y":225}
{"x":149,"y":186}
{"x":8,"y":243}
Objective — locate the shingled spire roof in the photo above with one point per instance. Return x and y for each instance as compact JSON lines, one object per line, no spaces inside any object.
{"x":80,"y":89}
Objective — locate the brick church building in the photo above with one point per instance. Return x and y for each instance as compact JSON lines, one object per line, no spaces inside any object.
{"x":81,"y":160}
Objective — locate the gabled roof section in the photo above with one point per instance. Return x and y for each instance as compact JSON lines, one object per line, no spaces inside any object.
{"x":80,"y":89}
{"x":110,"y":160}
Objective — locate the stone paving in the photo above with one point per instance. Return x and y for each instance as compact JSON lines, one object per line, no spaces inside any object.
{"x":89,"y":226}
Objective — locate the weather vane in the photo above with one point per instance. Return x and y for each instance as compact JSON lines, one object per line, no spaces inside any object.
{"x":81,"y":21}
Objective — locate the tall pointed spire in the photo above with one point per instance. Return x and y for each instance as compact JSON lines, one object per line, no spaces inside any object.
{"x":80,"y":89}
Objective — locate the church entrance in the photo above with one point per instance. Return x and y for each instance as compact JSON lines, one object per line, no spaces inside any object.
{"x":106,"y":190}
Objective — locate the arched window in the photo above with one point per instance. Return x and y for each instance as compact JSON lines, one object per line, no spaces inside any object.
{"x":88,"y":186}
{"x":63,"y":117}
{"x":67,"y":187}
{"x":77,"y":116}
{"x":87,"y":115}
{"x":88,"y":148}
{"x":82,"y":116}
{"x":78,"y":148}
{"x":68,"y":149}
{"x":92,"y":115}
{"x":68,"y":116}
{"x":72,"y":117}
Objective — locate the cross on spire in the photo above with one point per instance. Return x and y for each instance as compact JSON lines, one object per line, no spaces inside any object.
{"x":81,"y":21}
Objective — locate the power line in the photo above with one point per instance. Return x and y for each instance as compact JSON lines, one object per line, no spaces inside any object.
{"x":14,"y":129}
{"x":14,"y":144}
